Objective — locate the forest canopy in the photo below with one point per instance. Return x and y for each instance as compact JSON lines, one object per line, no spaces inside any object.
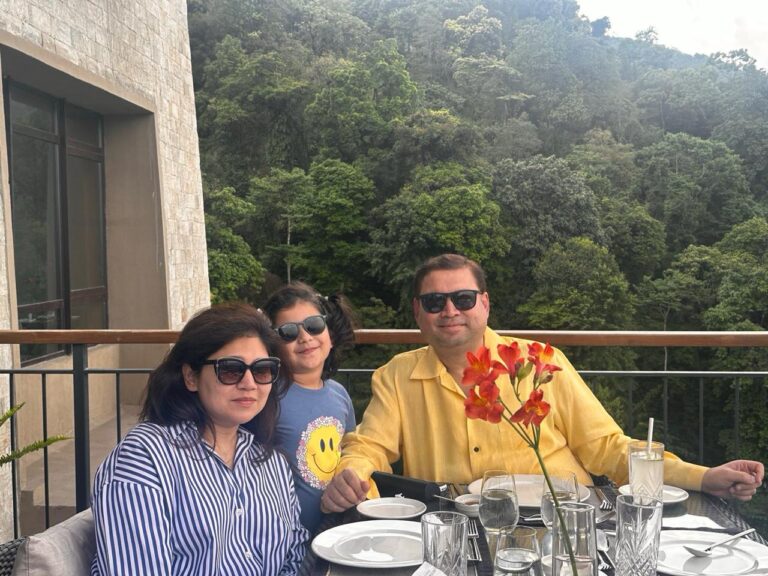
{"x":603,"y":183}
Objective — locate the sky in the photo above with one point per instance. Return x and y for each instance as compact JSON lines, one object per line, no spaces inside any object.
{"x":691,"y":26}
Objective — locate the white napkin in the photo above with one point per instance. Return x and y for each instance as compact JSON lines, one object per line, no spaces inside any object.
{"x":690,"y":522}
{"x":427,"y":569}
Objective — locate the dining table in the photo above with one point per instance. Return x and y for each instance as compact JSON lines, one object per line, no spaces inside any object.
{"x":697,"y":512}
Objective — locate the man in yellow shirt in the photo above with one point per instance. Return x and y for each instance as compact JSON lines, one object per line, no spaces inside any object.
{"x":417,"y":409}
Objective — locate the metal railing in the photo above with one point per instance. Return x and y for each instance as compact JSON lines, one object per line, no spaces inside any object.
{"x":79,"y":340}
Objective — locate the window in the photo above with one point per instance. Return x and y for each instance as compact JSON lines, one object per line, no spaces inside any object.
{"x":56,"y":159}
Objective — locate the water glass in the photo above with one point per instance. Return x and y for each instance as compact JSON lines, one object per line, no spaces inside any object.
{"x":646,"y":469}
{"x":498,"y":504}
{"x":638,"y":529}
{"x":566,"y":489}
{"x":517,"y":552}
{"x":579,"y":518}
{"x":444,"y":541}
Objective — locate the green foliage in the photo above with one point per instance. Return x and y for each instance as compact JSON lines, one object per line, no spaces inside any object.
{"x":344,"y":141}
{"x":33,"y":447}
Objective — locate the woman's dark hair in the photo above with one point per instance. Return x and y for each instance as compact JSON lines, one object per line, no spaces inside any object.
{"x":338,"y":315}
{"x":169,"y":402}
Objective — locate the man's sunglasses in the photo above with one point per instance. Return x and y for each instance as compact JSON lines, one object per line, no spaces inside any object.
{"x":231,"y":370}
{"x":435,"y":302}
{"x":313,"y":325}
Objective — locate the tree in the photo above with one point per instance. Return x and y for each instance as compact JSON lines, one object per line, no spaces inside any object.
{"x":695,"y":187}
{"x":445,"y":209}
{"x":331,"y":226}
{"x":634,"y":237}
{"x":234,"y":272}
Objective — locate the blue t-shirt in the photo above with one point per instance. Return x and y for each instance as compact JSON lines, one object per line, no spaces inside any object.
{"x":309,"y":432}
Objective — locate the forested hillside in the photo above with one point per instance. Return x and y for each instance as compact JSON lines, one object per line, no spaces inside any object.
{"x":603,"y":183}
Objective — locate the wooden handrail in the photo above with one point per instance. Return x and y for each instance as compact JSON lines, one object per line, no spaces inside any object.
{"x":383,"y":336}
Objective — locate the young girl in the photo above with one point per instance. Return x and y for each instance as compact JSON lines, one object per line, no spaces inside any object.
{"x":189,"y":491}
{"x":316,"y":411}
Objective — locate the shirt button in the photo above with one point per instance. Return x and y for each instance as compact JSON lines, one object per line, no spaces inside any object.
{"x":248,"y":554}
{"x":476,"y":449}
{"x":239,"y":512}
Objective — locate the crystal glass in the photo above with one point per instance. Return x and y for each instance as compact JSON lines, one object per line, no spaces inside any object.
{"x":517,"y":552}
{"x":646,"y":469}
{"x":638,"y":529}
{"x":444,"y":541}
{"x":579,"y":518}
{"x":566,"y":489}
{"x":498,"y":504}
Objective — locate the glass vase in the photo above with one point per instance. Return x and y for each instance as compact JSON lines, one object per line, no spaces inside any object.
{"x":579,"y":519}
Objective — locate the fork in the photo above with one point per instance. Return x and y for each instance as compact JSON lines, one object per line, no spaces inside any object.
{"x":472,"y":531}
{"x":473,"y":553}
{"x":605,"y":504}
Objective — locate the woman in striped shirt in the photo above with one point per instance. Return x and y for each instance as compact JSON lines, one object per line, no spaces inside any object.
{"x":189,"y":491}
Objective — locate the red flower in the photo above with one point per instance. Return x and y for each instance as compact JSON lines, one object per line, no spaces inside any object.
{"x":533,"y":411}
{"x":480,"y":368}
{"x":511,"y":356}
{"x":485,"y":405}
{"x":540,"y":356}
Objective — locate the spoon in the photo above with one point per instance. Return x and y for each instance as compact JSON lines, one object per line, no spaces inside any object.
{"x":703,"y":553}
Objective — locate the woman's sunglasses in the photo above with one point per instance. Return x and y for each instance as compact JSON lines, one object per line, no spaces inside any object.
{"x":435,"y":302}
{"x":231,"y":370}
{"x":313,"y":325}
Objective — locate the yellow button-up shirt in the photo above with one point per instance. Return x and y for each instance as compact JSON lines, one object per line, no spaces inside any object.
{"x":417,"y":414}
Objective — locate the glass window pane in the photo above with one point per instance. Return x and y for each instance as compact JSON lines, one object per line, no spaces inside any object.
{"x":83,"y":126}
{"x":39,"y":320}
{"x":35,"y":214}
{"x":90,"y":313}
{"x":33,"y":109}
{"x":86,"y":220}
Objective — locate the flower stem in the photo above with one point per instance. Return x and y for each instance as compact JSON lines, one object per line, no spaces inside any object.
{"x":561,"y":519}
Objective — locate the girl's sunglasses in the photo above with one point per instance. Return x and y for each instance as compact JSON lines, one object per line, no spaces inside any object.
{"x":435,"y":302}
{"x":313,"y":325}
{"x":231,"y":370}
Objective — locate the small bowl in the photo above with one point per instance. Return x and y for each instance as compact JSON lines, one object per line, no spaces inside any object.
{"x":468,"y":504}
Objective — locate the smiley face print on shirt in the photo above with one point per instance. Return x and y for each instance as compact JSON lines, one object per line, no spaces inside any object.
{"x":319,"y":451}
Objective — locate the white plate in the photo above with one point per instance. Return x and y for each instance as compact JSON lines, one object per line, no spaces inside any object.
{"x":739,"y":557}
{"x":371,"y":544}
{"x":529,"y":489}
{"x":391,"y":508}
{"x":670,"y":494}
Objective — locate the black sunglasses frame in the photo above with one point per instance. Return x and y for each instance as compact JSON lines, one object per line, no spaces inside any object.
{"x":434,"y":302}
{"x":272,"y":363}
{"x":309,"y":329}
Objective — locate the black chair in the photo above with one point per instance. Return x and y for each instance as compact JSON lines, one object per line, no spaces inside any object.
{"x":8,"y":555}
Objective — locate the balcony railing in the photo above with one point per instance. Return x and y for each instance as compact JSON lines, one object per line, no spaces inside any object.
{"x":80,"y":373}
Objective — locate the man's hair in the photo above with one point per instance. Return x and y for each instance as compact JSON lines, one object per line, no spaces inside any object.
{"x":448,"y":262}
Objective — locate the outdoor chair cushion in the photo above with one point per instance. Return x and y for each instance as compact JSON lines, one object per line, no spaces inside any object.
{"x":63,"y":550}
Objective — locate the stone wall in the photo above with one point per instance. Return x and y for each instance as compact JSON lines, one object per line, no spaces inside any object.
{"x":141,"y":46}
{"x":137,"y":50}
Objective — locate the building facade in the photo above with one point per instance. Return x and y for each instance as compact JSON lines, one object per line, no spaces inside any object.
{"x":102,"y":204}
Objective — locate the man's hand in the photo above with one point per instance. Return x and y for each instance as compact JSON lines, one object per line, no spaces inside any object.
{"x":344,"y":491}
{"x":737,"y":479}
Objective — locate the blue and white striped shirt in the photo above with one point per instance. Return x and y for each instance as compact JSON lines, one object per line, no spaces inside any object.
{"x":165,"y":504}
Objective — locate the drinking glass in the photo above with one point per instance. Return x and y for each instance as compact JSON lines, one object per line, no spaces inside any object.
{"x":638,"y":529}
{"x":444,"y":541}
{"x":498,"y":504}
{"x":579,"y":518}
{"x":646,"y":469}
{"x":566,"y":489}
{"x":517,"y":552}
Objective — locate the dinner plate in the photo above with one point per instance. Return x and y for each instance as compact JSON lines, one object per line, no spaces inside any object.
{"x":529,"y":489}
{"x":391,"y":508}
{"x":670,"y":494}
{"x":739,"y":557}
{"x":371,"y":544}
